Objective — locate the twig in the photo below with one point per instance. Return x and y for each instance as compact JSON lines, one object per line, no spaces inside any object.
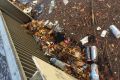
{"x":92,"y":11}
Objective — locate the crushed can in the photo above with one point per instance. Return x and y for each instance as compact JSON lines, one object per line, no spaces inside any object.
{"x":94,"y":72}
{"x":87,"y":53}
{"x":115,"y":31}
{"x":58,"y":63}
{"x":93,"y":53}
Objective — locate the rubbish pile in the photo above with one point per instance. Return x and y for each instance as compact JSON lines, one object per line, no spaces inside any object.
{"x":69,"y":55}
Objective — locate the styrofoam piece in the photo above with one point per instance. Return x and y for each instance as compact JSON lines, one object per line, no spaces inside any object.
{"x":65,"y":2}
{"x":98,"y":28}
{"x":103,"y":34}
{"x":84,"y":40}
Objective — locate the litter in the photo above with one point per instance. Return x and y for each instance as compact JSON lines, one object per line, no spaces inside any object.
{"x":34,"y":2}
{"x":94,"y":72}
{"x":27,"y":10}
{"x":62,"y":54}
{"x":52,"y":6}
{"x":58,"y":28}
{"x":46,"y":22}
{"x":58,"y":63}
{"x":115,"y":31}
{"x":39,"y":8}
{"x":103,"y":34}
{"x":87,"y":51}
{"x":65,"y":2}
{"x":24,"y":1}
{"x":84,"y":40}
{"x":98,"y":28}
{"x":93,"y":53}
{"x":50,"y":25}
{"x":56,"y":23}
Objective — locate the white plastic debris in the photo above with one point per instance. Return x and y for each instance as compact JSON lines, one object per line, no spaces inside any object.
{"x":65,"y":2}
{"x":56,"y":23}
{"x":46,"y":22}
{"x":84,"y":40}
{"x":58,"y":28}
{"x":72,"y":33}
{"x":98,"y":28}
{"x":1,"y":47}
{"x":103,"y":34}
{"x":52,"y":6}
{"x":27,"y":10}
{"x":34,"y":2}
{"x":50,"y":25}
{"x":115,"y":31}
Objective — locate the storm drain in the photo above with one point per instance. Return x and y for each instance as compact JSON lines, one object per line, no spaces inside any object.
{"x":25,"y":46}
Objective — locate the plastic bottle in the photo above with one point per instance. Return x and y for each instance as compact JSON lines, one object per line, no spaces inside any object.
{"x":94,"y":72}
{"x":58,"y":63}
{"x":115,"y":31}
{"x":93,"y":53}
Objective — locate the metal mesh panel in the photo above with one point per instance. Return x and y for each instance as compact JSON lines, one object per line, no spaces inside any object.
{"x":25,"y":46}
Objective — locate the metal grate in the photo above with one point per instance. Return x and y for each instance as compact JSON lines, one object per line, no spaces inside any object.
{"x":25,"y":46}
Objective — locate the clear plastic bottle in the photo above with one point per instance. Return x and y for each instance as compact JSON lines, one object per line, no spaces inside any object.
{"x":58,"y":63}
{"x":94,"y":72}
{"x":94,"y":53}
{"x":115,"y":31}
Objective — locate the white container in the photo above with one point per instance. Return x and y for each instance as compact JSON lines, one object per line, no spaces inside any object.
{"x":115,"y":31}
